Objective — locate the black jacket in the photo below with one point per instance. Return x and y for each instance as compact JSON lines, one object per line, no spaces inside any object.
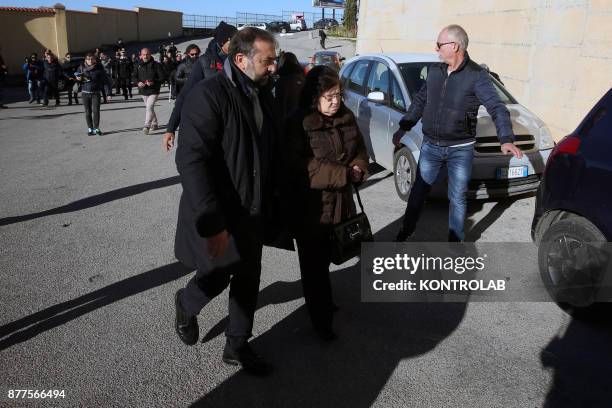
{"x":69,"y":68}
{"x":224,"y":162}
{"x":124,"y":68}
{"x":150,"y":71}
{"x":93,"y":78}
{"x":448,"y":105}
{"x":53,"y":72}
{"x":208,"y":65}
{"x":183,"y":71}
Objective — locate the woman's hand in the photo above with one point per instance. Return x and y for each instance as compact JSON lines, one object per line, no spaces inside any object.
{"x":356,"y":174}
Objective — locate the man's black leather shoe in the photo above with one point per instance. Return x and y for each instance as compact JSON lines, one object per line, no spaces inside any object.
{"x":186,"y":326}
{"x":245,"y":356}
{"x":402,"y":236}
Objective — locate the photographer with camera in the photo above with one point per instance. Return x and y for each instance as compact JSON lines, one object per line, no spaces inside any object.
{"x":92,"y":77}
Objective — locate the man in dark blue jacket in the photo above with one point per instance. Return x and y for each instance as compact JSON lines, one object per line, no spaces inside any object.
{"x":206,"y":66}
{"x":447,"y":104}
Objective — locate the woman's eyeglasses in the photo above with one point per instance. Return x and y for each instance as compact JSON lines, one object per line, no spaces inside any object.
{"x":330,"y":98}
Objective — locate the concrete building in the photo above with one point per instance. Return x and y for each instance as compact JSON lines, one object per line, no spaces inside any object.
{"x":555,"y":56}
{"x":26,"y":30}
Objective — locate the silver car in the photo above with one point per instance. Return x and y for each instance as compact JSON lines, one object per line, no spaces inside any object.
{"x":378,"y":89}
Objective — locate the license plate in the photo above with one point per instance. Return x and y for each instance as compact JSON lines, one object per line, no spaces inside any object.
{"x":512,"y":172}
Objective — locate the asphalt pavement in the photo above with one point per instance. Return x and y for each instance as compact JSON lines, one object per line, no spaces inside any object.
{"x":88,"y":278}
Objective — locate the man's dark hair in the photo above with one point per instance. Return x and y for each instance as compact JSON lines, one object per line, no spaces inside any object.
{"x":319,"y":80}
{"x":242,"y":42}
{"x":191,"y":47}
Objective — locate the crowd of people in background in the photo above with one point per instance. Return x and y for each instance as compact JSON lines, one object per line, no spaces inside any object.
{"x":106,"y":73}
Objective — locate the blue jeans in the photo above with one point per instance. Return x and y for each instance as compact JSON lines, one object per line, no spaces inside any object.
{"x":458,"y":160}
{"x":35,"y":89}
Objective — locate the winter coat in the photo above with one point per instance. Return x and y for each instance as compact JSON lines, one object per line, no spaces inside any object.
{"x":33,"y":71}
{"x":225,"y":162}
{"x":93,"y":78}
{"x":207,"y":66}
{"x":448,"y":105}
{"x":183,"y":71}
{"x":320,"y":152}
{"x":150,"y":71}
{"x":53,"y":72}
{"x":287,"y":92}
{"x":124,"y":68}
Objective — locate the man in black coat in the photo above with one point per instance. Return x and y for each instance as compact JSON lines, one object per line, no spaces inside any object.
{"x":52,"y":74}
{"x":208,"y":65}
{"x":224,"y":161}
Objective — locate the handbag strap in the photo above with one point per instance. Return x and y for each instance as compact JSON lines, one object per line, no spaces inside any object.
{"x":358,"y":197}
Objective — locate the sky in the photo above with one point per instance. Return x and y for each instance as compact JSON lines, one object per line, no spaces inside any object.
{"x":221,"y":8}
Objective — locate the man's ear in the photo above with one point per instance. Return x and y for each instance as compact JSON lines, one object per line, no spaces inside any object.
{"x":240,"y":60}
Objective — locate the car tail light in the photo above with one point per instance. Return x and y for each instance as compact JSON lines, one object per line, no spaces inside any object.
{"x":568,"y":145}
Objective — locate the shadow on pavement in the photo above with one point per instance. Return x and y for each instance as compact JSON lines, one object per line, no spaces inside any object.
{"x":28,"y":327}
{"x":59,"y":115}
{"x":581,"y":363}
{"x":373,"y":339}
{"x":95,"y":200}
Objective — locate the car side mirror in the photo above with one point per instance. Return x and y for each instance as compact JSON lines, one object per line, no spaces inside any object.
{"x":376,"y":96}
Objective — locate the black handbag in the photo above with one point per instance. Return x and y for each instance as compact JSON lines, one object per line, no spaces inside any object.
{"x":347,"y":236}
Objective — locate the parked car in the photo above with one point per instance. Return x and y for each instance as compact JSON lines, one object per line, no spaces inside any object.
{"x":262,"y":26}
{"x":298,"y":25}
{"x":279,"y":26}
{"x":325,"y":23}
{"x":573,"y":216}
{"x":330,"y":58}
{"x":379,"y":88}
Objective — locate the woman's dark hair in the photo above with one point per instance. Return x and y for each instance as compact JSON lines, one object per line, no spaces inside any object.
{"x":191,"y":47}
{"x":319,"y":80}
{"x":288,"y":64}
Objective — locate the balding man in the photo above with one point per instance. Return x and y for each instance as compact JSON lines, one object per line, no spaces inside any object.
{"x":149,"y":79}
{"x":447,"y":104}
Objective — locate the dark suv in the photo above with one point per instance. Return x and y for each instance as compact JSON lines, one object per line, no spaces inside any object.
{"x":325,"y":23}
{"x":573,"y":217}
{"x":279,"y":26}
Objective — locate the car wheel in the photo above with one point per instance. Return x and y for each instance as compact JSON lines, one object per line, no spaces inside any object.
{"x":298,"y":29}
{"x":404,"y":172}
{"x":572,"y":263}
{"x":284,"y":31}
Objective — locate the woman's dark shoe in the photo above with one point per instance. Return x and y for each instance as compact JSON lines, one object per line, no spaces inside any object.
{"x":185,"y":326}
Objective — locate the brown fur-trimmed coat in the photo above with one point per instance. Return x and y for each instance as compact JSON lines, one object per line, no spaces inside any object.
{"x":320,"y":154}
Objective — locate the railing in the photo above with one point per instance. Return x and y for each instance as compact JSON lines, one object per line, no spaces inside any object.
{"x":201,"y":21}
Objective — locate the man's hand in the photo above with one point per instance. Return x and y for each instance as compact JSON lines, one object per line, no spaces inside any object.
{"x":168,"y":141}
{"x":356,"y":174}
{"x":397,"y":136}
{"x":510,"y":148}
{"x":141,"y":84}
{"x":217,"y":244}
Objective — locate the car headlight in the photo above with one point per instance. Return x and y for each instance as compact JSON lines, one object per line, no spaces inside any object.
{"x":546,"y":140}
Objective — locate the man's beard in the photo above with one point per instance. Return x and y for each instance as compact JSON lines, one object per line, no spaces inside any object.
{"x":250,"y":72}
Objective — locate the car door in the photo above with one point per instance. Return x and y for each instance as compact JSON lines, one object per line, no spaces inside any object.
{"x":374,"y":116}
{"x":354,"y":96}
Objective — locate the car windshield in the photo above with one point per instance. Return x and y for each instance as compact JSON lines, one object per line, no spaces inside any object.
{"x":415,"y":74}
{"x":322,"y":59}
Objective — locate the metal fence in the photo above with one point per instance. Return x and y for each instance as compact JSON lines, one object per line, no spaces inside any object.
{"x":200,"y":21}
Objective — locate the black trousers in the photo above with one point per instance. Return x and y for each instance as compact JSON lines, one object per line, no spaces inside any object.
{"x":242,"y":277}
{"x":126,"y":87}
{"x":322,"y":42}
{"x":51,"y":91}
{"x":315,"y":257}
{"x":91,"y":102}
